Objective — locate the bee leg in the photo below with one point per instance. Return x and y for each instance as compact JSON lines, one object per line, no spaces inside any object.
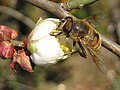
{"x":74,"y":43}
{"x":83,"y":52}
{"x":56,"y":33}
{"x":73,"y":48}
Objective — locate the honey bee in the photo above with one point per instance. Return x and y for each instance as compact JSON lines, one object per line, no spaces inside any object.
{"x":83,"y":34}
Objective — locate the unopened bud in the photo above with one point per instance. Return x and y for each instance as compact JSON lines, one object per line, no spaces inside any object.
{"x":7,"y":33}
{"x":23,"y":60}
{"x":6,"y":49}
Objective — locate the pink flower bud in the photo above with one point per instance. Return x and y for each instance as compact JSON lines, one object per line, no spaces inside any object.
{"x":7,"y":33}
{"x":6,"y":49}
{"x":23,"y":60}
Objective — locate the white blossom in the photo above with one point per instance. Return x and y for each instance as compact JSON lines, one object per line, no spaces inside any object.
{"x":45,"y":48}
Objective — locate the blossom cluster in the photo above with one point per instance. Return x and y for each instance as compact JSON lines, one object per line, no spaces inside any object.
{"x":9,"y":51}
{"x":40,"y":48}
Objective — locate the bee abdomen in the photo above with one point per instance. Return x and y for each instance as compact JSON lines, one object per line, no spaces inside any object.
{"x":96,"y":42}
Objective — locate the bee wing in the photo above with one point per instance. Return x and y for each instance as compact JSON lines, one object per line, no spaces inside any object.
{"x":99,"y":63}
{"x":95,"y":19}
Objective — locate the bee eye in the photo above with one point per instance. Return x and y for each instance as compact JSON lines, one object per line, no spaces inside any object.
{"x":68,"y":25}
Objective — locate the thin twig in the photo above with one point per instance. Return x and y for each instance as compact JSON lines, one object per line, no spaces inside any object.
{"x":56,"y":9}
{"x":17,"y":15}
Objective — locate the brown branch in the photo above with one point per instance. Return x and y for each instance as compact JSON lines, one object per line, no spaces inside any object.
{"x":17,"y":15}
{"x":56,"y":9}
{"x":51,"y":7}
{"x":110,"y":45}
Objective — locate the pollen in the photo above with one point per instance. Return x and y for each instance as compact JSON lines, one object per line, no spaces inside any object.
{"x":54,"y":30}
{"x":64,"y":48}
{"x":67,"y":49}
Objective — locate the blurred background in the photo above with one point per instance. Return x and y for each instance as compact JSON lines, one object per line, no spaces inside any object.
{"x":76,"y":73}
